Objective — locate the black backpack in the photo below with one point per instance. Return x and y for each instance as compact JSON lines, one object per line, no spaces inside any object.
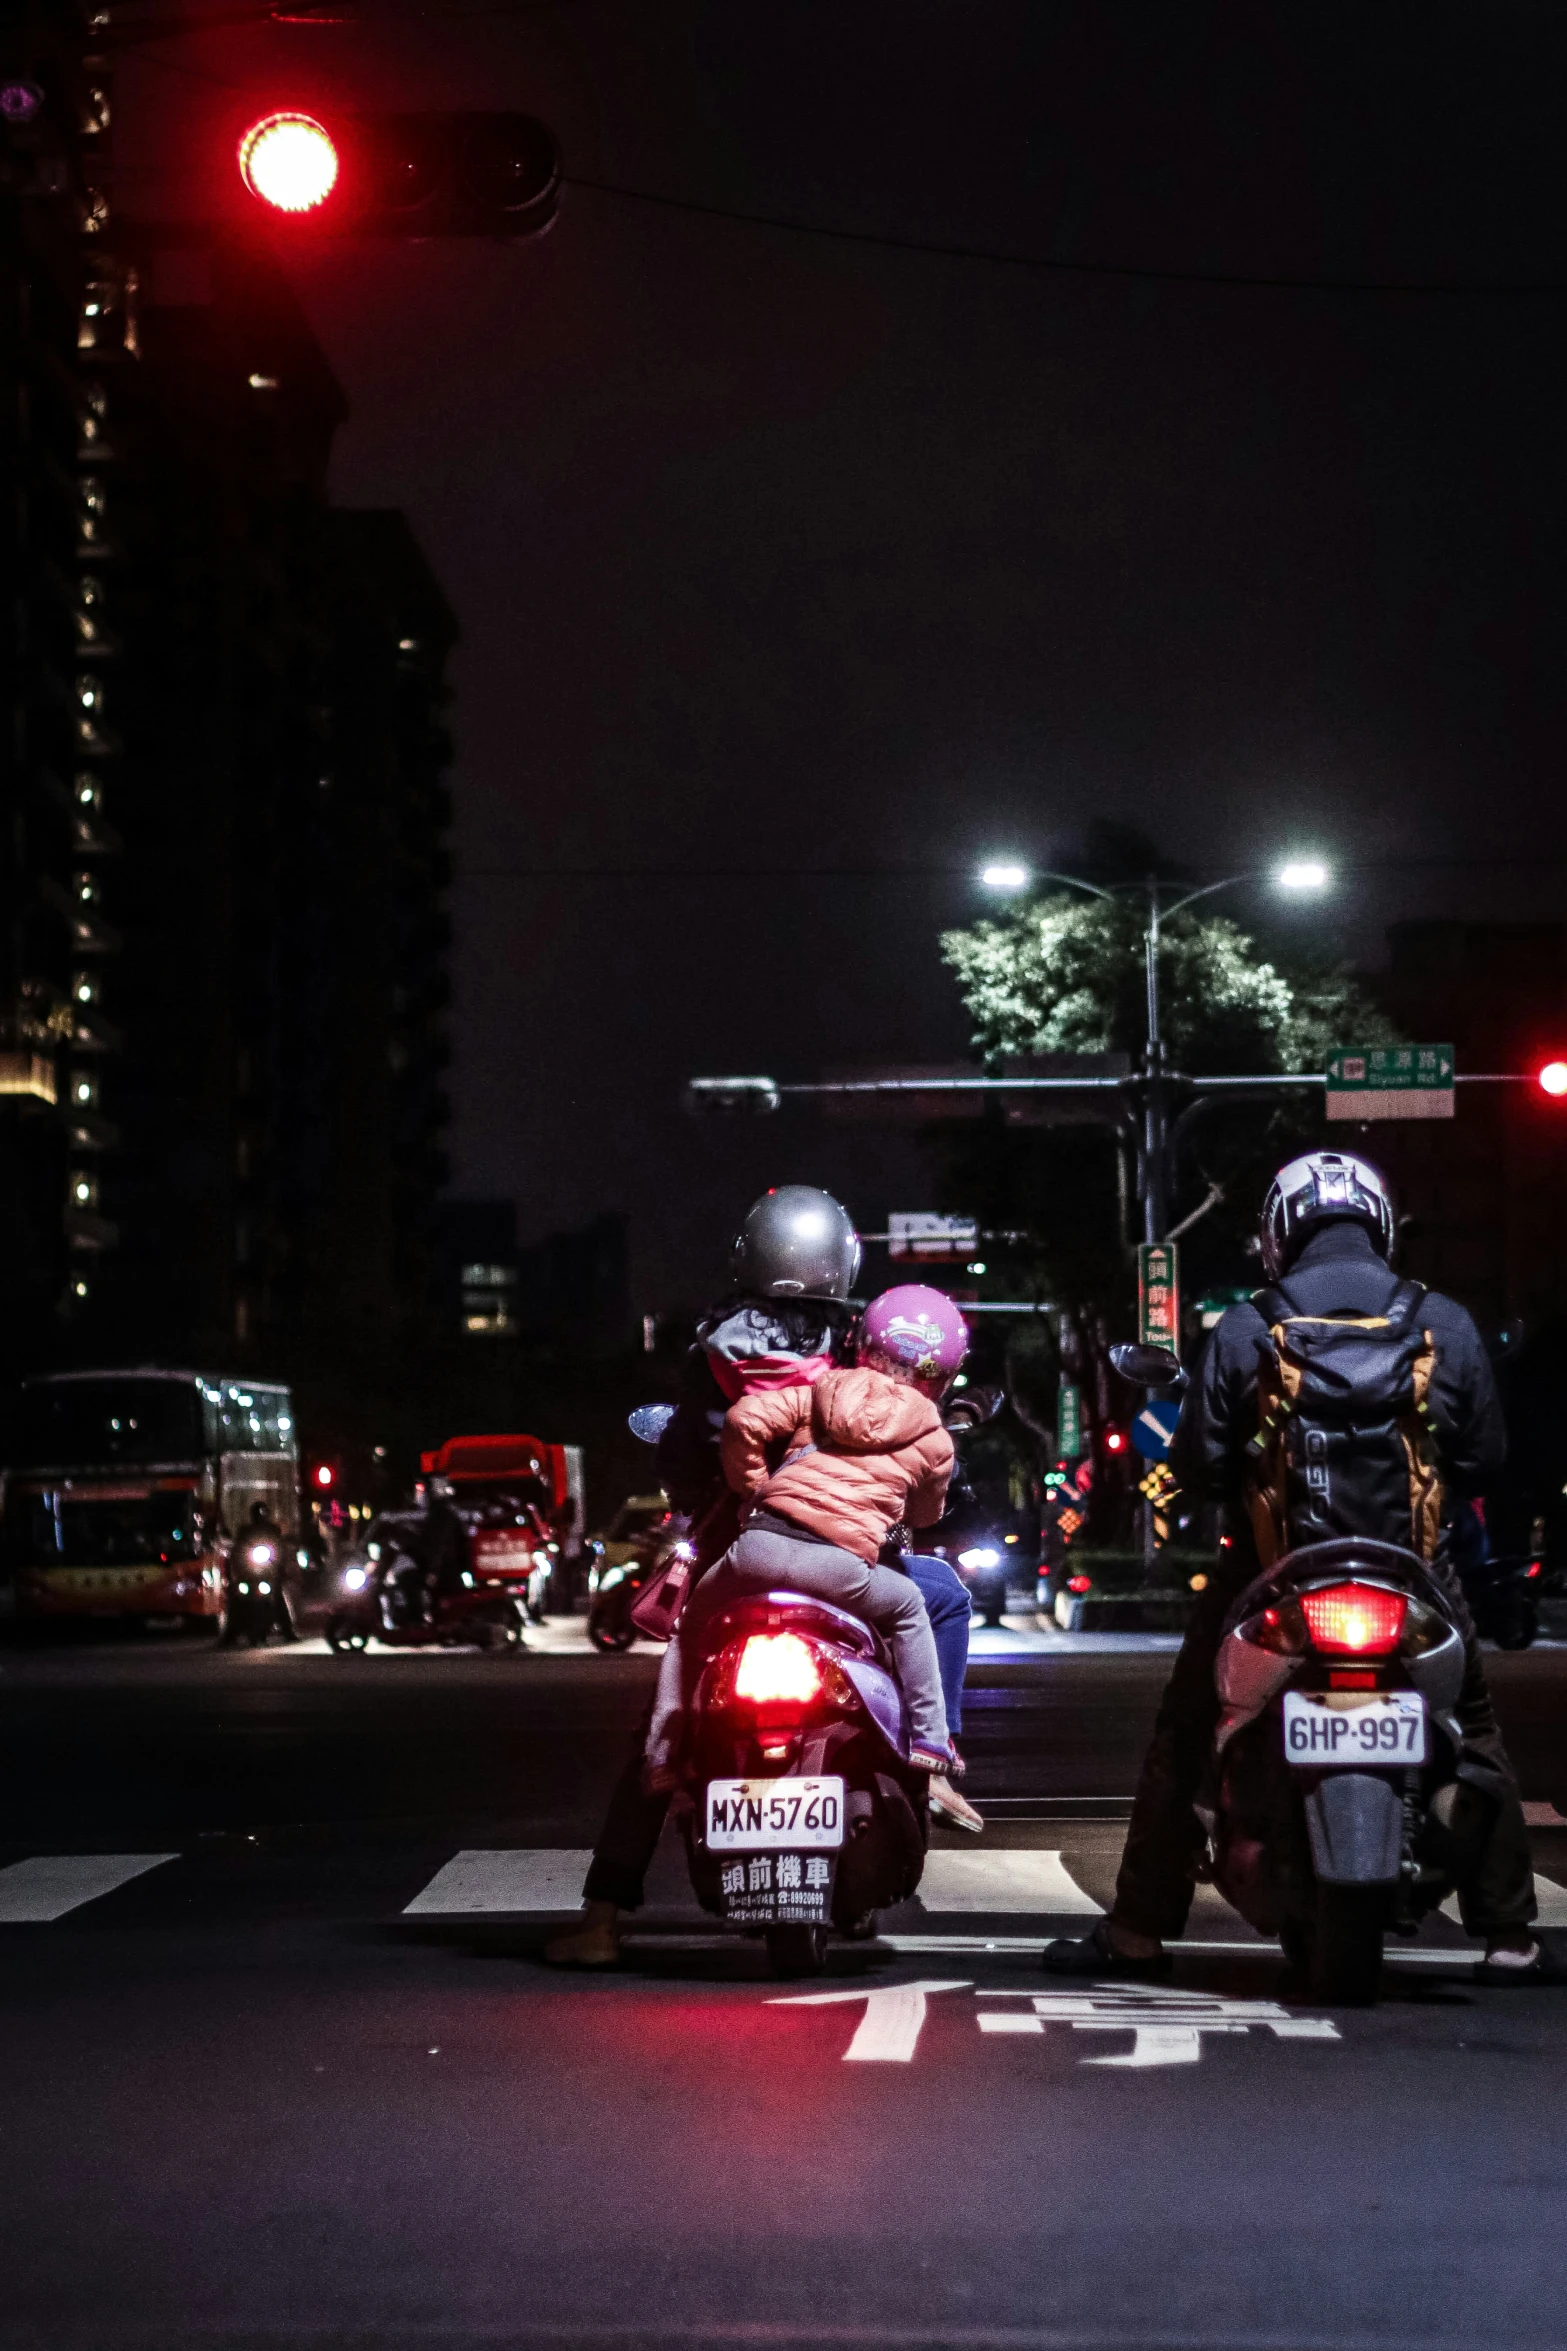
{"x":1345,"y":1442}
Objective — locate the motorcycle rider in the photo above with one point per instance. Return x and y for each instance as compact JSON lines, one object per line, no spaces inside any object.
{"x":261,"y":1529}
{"x":1327,"y":1232}
{"x":792,"y":1266}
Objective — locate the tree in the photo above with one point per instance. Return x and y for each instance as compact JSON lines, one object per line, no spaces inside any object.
{"x":1063,"y":973}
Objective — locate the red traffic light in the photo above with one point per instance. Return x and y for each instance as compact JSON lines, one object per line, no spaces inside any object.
{"x":323,"y":1476}
{"x":1553,"y":1079}
{"x":1115,"y":1440}
{"x":289,"y":161}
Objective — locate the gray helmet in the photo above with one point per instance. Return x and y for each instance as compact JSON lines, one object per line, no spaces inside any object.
{"x":795,"y":1242}
{"x":1320,"y":1188}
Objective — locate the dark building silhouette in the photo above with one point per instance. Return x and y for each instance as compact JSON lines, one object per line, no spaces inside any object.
{"x":271,"y":986}
{"x":1486,"y":1189}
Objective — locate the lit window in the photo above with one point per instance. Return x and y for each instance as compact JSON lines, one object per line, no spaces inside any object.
{"x":84,"y":1092}
{"x":86,"y":888}
{"x":84,"y":988}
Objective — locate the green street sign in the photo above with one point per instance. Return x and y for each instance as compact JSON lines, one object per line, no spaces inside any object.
{"x":1069,"y":1422}
{"x":1159,"y":1296}
{"x":1390,"y":1081}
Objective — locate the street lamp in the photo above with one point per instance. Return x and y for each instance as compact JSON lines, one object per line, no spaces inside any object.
{"x":1299,"y":876}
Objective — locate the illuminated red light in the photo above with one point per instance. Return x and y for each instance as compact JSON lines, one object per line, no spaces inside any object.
{"x":777,"y":1669}
{"x":1115,"y":1441}
{"x":289,"y":161}
{"x":1553,"y":1078}
{"x":323,"y":1474}
{"x":1354,"y":1620}
{"x":1079,"y":1583}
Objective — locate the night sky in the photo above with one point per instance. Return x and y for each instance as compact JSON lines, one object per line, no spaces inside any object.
{"x":777,"y":552}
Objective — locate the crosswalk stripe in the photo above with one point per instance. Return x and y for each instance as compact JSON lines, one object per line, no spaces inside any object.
{"x":47,"y":1885}
{"x":1001,"y":1881}
{"x":1551,"y":1898}
{"x":523,"y":1877}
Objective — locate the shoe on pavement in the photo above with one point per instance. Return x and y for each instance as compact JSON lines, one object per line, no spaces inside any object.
{"x":593,"y":1942}
{"x":1546,"y":1967}
{"x":1096,"y":1955}
{"x":954,"y":1810}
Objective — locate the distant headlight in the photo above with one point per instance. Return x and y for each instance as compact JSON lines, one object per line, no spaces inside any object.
{"x":263,"y":1587}
{"x":682,"y":1550}
{"x":355,"y":1579}
{"x":979,"y":1559}
{"x":260,"y":1554}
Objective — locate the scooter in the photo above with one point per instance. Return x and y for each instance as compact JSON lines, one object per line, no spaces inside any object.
{"x":798,"y":1805}
{"x":379,"y":1604}
{"x":253,"y":1593}
{"x":1333,"y":1809}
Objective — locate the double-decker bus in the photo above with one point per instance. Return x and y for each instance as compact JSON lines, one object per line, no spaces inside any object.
{"x":125,"y":1488}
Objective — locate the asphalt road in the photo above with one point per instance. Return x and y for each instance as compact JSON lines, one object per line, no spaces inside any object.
{"x":282,"y":2067}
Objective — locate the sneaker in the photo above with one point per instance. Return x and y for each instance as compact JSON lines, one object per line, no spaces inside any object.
{"x":955,"y":1810}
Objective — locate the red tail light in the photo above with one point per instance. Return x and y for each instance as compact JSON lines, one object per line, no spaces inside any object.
{"x":1079,"y":1583}
{"x":1354,"y":1620}
{"x":778,"y":1669}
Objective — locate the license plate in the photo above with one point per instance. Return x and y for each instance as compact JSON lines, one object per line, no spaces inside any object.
{"x":1388,"y":1726}
{"x":761,"y":1816}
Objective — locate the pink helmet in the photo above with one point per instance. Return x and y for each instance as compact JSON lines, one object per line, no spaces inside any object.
{"x":919,"y":1329}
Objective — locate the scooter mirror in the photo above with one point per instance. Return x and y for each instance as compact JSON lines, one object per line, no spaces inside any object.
{"x":649,"y":1421}
{"x":1147,"y":1367}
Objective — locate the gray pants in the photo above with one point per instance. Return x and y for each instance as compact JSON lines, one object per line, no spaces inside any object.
{"x":763,"y":1561}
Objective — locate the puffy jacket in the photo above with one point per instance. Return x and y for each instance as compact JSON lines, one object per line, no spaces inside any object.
{"x":856,"y":1452}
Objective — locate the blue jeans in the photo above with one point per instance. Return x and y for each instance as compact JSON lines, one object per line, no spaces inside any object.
{"x":947,"y":1605}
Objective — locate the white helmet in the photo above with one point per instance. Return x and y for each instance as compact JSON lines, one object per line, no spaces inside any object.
{"x":1321,"y":1188}
{"x":796,"y":1242}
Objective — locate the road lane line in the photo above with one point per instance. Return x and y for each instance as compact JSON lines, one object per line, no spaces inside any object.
{"x":47,"y":1885}
{"x":1037,"y":1882}
{"x":519,"y":1877}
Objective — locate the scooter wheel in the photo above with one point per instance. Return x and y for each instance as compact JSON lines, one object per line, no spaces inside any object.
{"x":796,"y":1950}
{"x":1346,"y":1953}
{"x":613,"y":1635}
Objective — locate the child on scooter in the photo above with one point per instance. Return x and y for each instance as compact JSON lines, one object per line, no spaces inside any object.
{"x":857,"y":1452}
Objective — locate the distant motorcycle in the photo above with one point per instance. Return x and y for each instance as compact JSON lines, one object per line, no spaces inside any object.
{"x":253,"y":1592}
{"x":384,"y":1599}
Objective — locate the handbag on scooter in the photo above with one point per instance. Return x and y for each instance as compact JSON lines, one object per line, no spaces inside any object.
{"x":660,"y":1604}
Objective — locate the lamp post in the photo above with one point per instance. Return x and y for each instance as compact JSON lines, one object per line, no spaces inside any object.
{"x":1298,"y":876}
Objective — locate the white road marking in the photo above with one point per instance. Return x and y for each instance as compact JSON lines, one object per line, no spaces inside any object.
{"x":1551,"y":1897}
{"x":521,"y":1877}
{"x":889,"y":2030}
{"x":1037,"y":1882}
{"x":47,"y":1885}
{"x":1166,"y":2025}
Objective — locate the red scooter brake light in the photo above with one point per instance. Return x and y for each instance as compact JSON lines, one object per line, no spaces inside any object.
{"x":777,"y":1669}
{"x":1354,"y":1620}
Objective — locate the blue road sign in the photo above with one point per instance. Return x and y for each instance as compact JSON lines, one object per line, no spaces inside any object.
{"x":1154,"y":1427}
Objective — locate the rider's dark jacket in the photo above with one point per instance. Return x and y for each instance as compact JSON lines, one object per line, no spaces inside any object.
{"x":1338,"y":1271}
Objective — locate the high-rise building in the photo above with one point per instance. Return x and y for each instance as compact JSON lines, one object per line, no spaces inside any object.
{"x":257,"y":983}
{"x":69,"y":346}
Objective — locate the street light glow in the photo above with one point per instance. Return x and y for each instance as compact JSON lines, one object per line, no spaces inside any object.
{"x":1303,"y":873}
{"x":1005,"y":877}
{"x":289,"y":161}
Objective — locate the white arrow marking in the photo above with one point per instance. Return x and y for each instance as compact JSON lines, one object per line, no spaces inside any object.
{"x":889,"y":2030}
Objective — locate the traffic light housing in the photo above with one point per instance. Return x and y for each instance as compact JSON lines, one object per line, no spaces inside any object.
{"x":462,"y":174}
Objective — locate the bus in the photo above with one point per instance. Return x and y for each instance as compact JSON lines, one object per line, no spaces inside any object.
{"x":125,"y":1489}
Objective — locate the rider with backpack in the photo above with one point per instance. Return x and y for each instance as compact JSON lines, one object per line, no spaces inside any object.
{"x":1341,"y":1400}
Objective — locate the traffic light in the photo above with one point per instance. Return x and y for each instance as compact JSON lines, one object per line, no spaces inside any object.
{"x":1115,"y":1440}
{"x":406,"y":175}
{"x":1553,"y":1079}
{"x":323,"y":1477}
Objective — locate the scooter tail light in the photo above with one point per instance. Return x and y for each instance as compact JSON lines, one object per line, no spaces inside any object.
{"x":1354,"y":1620}
{"x":777,"y":1669}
